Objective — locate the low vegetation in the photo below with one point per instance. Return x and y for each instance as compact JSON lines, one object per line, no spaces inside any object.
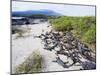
{"x":83,"y":27}
{"x":20,"y":31}
{"x":32,"y":64}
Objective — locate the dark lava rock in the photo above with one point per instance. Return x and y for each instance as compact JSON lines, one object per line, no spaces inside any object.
{"x":60,"y":62}
{"x":88,"y":65}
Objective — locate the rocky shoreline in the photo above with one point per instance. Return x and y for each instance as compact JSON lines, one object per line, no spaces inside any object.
{"x":61,"y":51}
{"x":64,"y":43}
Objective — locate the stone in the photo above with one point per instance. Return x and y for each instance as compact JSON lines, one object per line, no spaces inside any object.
{"x":88,"y":65}
{"x":57,"y":48}
{"x":69,"y":47}
{"x":60,"y":62}
{"x":62,"y":52}
{"x":69,"y":36}
{"x":62,"y":57}
{"x":68,"y":50}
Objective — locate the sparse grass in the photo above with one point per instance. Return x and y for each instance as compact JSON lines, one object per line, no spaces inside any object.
{"x":32,"y":64}
{"x":21,"y":32}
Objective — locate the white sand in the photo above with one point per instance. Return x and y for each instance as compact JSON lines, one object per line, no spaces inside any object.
{"x":23,"y":47}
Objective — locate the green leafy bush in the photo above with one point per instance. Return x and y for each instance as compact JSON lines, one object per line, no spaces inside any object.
{"x":83,"y":28}
{"x":32,"y":64}
{"x":90,"y":35}
{"x":62,"y":24}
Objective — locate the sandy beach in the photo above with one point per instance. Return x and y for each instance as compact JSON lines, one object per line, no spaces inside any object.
{"x":23,"y":47}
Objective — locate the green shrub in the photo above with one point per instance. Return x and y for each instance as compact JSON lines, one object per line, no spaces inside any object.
{"x":32,"y":64}
{"x":90,"y":35}
{"x":62,"y":24}
{"x":83,"y":28}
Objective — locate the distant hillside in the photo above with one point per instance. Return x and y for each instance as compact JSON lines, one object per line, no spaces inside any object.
{"x":31,"y":12}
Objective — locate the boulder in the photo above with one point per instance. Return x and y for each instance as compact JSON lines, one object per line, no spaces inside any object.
{"x":62,"y":57}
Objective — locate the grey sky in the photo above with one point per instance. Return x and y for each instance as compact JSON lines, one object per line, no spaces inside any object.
{"x":70,"y":10}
